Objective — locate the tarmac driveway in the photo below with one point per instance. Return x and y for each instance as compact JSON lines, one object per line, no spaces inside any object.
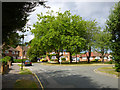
{"x":73,"y":76}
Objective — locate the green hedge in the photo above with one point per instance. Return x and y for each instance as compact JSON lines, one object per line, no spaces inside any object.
{"x":18,"y":60}
{"x":5,"y":59}
{"x":63,"y":59}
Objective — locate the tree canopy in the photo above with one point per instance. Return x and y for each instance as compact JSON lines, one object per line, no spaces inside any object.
{"x":113,"y":26}
{"x":60,"y":31}
{"x":14,"y":18}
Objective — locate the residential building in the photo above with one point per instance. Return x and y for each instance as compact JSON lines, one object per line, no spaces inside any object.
{"x":12,"y":52}
{"x":65,"y":55}
{"x":23,"y":51}
{"x":94,"y":55}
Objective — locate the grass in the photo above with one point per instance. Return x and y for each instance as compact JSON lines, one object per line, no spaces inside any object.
{"x":25,"y":71}
{"x":20,"y":65}
{"x":74,"y":63}
{"x":109,"y":70}
{"x":25,"y":84}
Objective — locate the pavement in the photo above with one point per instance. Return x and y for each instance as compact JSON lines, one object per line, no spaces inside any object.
{"x":9,"y":79}
{"x":73,"y":76}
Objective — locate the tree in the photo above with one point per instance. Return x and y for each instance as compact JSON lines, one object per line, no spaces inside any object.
{"x":14,"y":18}
{"x":113,"y":26}
{"x":102,"y":42}
{"x":63,"y":31}
{"x":92,"y":30}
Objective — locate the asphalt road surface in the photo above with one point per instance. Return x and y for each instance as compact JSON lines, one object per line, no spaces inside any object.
{"x":72,"y":76}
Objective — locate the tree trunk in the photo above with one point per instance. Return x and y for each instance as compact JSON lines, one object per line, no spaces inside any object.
{"x":70,"y":57}
{"x":102,"y":52}
{"x":76,"y":58}
{"x":57,"y":55}
{"x":89,"y":52}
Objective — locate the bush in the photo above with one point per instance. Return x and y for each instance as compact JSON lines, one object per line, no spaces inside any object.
{"x":63,"y":59}
{"x":110,"y":62}
{"x":56,"y":60}
{"x":5,"y":59}
{"x":18,"y":60}
{"x":96,"y":60}
{"x":51,"y":59}
{"x":117,"y":67}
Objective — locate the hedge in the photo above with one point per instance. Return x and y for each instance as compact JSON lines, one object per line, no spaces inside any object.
{"x":18,"y":60}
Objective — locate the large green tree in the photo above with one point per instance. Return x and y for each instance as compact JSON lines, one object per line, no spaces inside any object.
{"x":60,"y":31}
{"x":92,"y":30}
{"x":102,"y":42}
{"x":113,"y":26}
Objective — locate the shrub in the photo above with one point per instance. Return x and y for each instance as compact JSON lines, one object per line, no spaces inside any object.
{"x":51,"y":59}
{"x":56,"y":60}
{"x":63,"y":59}
{"x":117,"y":67}
{"x":96,"y":60}
{"x":110,"y":62}
{"x":18,"y":60}
{"x":5,"y":59}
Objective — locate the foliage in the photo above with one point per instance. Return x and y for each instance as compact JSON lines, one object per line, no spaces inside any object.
{"x":96,"y":60}
{"x":58,"y":32}
{"x":102,"y":42}
{"x":14,"y":18}
{"x":5,"y":59}
{"x":34,"y":52}
{"x":113,"y":26}
{"x":63,"y":59}
{"x":18,"y":60}
{"x":50,"y":55}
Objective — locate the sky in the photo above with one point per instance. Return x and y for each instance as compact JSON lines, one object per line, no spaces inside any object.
{"x":98,"y":11}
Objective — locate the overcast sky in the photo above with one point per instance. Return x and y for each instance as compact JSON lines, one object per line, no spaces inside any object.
{"x":87,"y":10}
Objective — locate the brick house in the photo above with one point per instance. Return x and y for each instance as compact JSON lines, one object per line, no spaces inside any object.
{"x":65,"y":55}
{"x":94,"y":55}
{"x":12,"y":52}
{"x":23,"y":52}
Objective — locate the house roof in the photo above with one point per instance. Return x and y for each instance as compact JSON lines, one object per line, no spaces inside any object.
{"x":25,"y":48}
{"x":12,"y":49}
{"x":92,"y":54}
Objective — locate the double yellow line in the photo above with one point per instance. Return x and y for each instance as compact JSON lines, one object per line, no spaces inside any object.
{"x":39,"y":81}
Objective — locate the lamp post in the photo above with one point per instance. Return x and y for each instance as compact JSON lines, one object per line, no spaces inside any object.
{"x":22,"y":50}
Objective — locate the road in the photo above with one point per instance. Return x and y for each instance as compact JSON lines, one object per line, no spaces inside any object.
{"x":72,"y":77}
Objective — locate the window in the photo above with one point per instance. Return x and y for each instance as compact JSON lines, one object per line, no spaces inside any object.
{"x":91,"y":58}
{"x":53,"y":57}
{"x":14,"y":57}
{"x":97,"y":57}
{"x":6,"y":51}
{"x":84,"y":57}
{"x":13,"y":52}
{"x":61,"y":53}
{"x":105,"y":57}
{"x":16,"y":52}
{"x":53,"y":53}
{"x":66,"y":53}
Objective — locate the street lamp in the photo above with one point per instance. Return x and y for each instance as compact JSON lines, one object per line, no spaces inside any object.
{"x":22,"y":49}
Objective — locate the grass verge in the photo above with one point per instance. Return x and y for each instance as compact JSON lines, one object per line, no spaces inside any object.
{"x":74,"y":64}
{"x":109,"y":70}
{"x":25,"y":71}
{"x":25,"y":84}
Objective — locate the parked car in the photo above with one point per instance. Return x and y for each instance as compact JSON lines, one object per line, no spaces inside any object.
{"x":28,"y":63}
{"x":43,"y":60}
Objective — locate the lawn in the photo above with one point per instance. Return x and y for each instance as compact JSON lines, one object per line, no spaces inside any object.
{"x":25,"y":84}
{"x":74,"y":63}
{"x":25,"y":71}
{"x":109,"y":70}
